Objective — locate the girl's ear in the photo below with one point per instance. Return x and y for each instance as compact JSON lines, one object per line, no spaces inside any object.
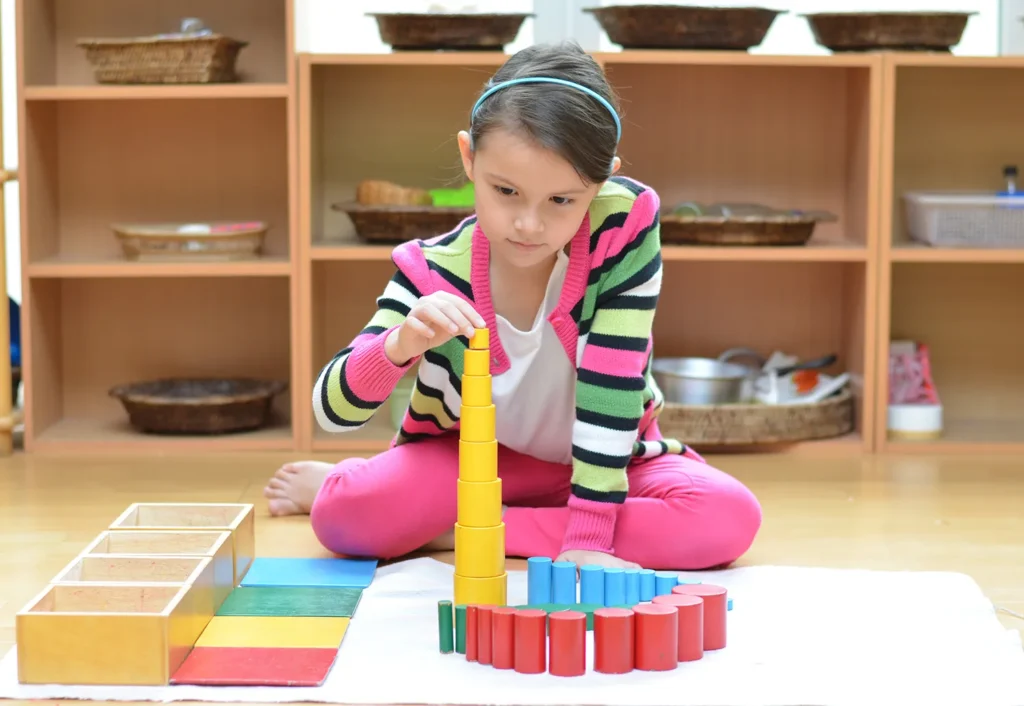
{"x":616,"y":164}
{"x":466,"y":152}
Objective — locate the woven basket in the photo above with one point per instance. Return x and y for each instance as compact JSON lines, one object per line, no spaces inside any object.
{"x":895,"y":31}
{"x":753,"y":424}
{"x":684,"y":27}
{"x":737,"y":230}
{"x":433,"y":31}
{"x":198,"y":406}
{"x":386,"y":223}
{"x":188,"y":57}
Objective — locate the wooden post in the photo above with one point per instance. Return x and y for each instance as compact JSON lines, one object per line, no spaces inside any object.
{"x":6,"y":406}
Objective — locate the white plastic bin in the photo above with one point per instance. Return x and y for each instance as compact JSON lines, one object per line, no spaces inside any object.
{"x":965,"y":220}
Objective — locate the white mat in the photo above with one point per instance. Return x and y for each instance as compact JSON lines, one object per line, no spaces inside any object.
{"x":796,"y":636}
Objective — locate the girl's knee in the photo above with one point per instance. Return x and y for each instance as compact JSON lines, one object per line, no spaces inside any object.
{"x":738,"y":514}
{"x":338,"y":516}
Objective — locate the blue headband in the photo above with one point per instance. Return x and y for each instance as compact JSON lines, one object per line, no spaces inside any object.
{"x":547,"y":79}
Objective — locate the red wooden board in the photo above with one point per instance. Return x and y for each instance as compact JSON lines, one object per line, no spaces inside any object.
{"x":256,"y":666}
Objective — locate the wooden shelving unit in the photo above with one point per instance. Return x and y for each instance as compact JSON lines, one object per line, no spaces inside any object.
{"x":92,"y":155}
{"x":844,"y":133}
{"x":951,"y":124}
{"x":798,"y":132}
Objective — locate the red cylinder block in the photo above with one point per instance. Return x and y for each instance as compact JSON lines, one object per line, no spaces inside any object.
{"x":567,"y":645}
{"x":715,"y":611}
{"x":471,"y":633}
{"x":657,"y":637}
{"x":503,"y":642}
{"x":531,"y":641}
{"x":613,"y":640}
{"x":691,"y":624}
{"x":483,"y":633}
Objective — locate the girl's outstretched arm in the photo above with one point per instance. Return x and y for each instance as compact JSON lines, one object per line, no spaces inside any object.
{"x":360,"y":377}
{"x":611,"y":388}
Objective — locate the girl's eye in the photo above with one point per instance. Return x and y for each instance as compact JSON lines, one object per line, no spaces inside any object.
{"x":505,"y":190}
{"x":561,"y":200}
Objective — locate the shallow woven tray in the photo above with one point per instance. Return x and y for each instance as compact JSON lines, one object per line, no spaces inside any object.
{"x":903,"y":31}
{"x":200,"y":59}
{"x":751,"y":424}
{"x":165,"y":241}
{"x":397,"y":224}
{"x":198,"y":405}
{"x":684,"y":27}
{"x":438,"y":31}
{"x":737,"y":230}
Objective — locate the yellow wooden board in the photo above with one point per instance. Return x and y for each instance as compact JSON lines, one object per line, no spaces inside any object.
{"x":273,"y":631}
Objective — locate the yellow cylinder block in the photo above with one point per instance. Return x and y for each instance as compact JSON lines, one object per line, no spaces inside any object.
{"x":476,"y":362}
{"x":478,"y":461}
{"x":477,"y":423}
{"x":481,"y":339}
{"x":479,"y":503}
{"x":480,"y":551}
{"x":488,"y":591}
{"x":476,"y":390}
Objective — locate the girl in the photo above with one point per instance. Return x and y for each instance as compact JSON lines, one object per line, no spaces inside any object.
{"x":562,"y":264}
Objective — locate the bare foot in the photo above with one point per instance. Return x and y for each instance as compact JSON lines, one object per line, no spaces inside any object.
{"x":294,"y":486}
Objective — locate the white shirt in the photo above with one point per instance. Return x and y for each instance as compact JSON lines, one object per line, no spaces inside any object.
{"x":535,"y":399}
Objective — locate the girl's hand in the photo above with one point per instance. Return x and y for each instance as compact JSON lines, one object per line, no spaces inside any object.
{"x":582,"y":557}
{"x":433,"y":320}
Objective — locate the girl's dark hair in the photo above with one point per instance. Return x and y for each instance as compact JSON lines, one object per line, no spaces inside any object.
{"x":560,"y":118}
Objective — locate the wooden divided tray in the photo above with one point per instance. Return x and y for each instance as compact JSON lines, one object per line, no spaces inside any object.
{"x":130,"y":607}
{"x":236,"y":518}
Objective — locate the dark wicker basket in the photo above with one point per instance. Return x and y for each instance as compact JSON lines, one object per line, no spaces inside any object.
{"x":895,"y":31}
{"x":757,"y":424}
{"x":198,"y":405}
{"x":684,"y":27}
{"x":768,"y":230}
{"x":387,"y":223}
{"x":432,"y":31}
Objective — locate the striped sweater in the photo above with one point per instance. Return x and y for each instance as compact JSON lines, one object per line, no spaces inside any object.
{"x":603,"y":319}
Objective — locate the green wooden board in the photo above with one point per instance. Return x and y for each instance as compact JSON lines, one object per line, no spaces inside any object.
{"x":298,"y":601}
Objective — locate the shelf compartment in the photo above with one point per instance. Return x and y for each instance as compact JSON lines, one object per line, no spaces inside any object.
{"x":87,"y":335}
{"x":807,"y":309}
{"x":789,"y":134}
{"x":51,"y":28}
{"x":89,"y":164}
{"x":964,"y":312}
{"x":950,"y":128}
{"x":812,"y":147}
{"x":356,"y":116}
{"x":149,"y":92}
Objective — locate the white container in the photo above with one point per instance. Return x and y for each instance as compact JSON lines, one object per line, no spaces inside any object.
{"x":964,"y":219}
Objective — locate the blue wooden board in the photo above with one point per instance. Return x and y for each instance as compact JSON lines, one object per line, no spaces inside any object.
{"x":299,"y":572}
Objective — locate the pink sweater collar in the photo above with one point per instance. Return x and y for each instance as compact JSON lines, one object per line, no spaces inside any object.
{"x":561,"y":318}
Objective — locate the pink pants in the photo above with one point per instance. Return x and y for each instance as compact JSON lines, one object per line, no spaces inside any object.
{"x":680,"y":514}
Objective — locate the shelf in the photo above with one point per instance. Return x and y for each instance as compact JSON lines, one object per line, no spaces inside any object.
{"x":807,"y":309}
{"x":916,"y":252}
{"x":66,"y":267}
{"x":662,"y":57}
{"x":89,"y":334}
{"x":965,"y":312}
{"x":110,"y":435}
{"x":148,"y":92}
{"x":94,"y":163}
{"x":812,"y":146}
{"x":490,"y":59}
{"x":51,"y":28}
{"x":951,"y":127}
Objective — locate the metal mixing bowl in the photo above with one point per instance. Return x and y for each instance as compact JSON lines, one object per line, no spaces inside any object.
{"x":695,"y":381}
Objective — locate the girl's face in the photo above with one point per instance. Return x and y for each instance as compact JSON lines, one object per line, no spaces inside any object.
{"x":529,"y":200}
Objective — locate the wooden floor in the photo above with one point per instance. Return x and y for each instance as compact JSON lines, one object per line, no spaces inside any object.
{"x":952,"y":514}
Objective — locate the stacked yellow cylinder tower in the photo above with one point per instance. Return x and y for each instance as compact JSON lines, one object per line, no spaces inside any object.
{"x":480,"y":576}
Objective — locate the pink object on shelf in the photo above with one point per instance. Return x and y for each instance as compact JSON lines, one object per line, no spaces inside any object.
{"x":910,"y":375}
